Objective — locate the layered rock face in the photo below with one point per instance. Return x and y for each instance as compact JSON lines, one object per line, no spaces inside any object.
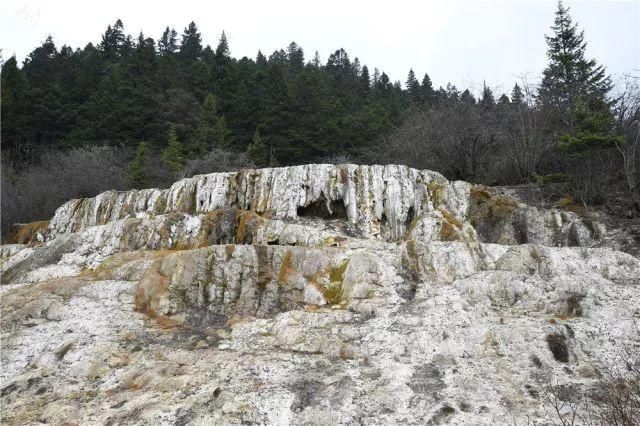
{"x":311,"y":294}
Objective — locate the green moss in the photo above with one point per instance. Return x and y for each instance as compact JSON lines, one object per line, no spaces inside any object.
{"x":333,"y":292}
{"x":337,"y":274}
{"x":489,"y":208}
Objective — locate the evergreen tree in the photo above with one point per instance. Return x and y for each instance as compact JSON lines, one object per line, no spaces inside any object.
{"x":168,"y":43}
{"x":467,"y":97}
{"x":258,"y":151}
{"x":365,"y":79}
{"x":137,"y":175}
{"x":572,"y":86}
{"x":222,"y":50}
{"x":504,"y":100}
{"x":261,"y":60}
{"x":113,"y":40}
{"x":295,"y":55}
{"x":173,"y":156}
{"x":212,"y":131}
{"x":517,"y":97}
{"x":427,"y":93}
{"x":413,"y":86}
{"x":487,"y":101}
{"x":191,"y":46}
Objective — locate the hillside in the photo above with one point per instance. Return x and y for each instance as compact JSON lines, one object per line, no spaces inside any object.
{"x":311,"y":294}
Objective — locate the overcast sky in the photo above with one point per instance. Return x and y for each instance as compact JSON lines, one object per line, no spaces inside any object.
{"x":464,"y":42}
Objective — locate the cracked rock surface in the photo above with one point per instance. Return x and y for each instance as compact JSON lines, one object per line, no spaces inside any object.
{"x":316,"y":294}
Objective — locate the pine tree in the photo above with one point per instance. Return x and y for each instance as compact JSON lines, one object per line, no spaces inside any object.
{"x":413,"y":86}
{"x":467,"y":97}
{"x":365,"y":79}
{"x":517,"y":97}
{"x":212,"y":131}
{"x":173,"y":155}
{"x":295,"y":55}
{"x":137,"y":175}
{"x":258,"y":151}
{"x":487,"y":101}
{"x":261,"y":59}
{"x":222,"y":50}
{"x":571,"y":82}
{"x":113,"y":40}
{"x":504,"y":100}
{"x":168,"y":43}
{"x":428,"y":94}
{"x":191,"y":46}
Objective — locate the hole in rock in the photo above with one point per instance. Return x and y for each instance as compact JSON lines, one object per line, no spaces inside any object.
{"x":558,"y":347}
{"x":410,"y":216}
{"x":324,"y":210}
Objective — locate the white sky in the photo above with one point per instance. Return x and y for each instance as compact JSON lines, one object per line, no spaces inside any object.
{"x":464,"y":42}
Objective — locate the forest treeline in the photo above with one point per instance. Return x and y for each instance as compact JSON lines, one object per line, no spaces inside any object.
{"x":126,"y":90}
{"x":135,"y":112}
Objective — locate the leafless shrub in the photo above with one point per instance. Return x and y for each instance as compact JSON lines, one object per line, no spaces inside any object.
{"x":613,"y":400}
{"x":217,"y":161}
{"x":456,"y":140}
{"x":340,"y":159}
{"x":628,"y":125}
{"x":35,"y":191}
{"x":563,"y":401}
{"x":617,"y":396}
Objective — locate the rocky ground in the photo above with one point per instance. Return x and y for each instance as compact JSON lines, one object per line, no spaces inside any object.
{"x":314,"y":294}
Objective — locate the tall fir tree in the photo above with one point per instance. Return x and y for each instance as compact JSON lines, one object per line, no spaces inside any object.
{"x":428,"y":95}
{"x":222,"y":50}
{"x":113,"y":40}
{"x":574,"y":89}
{"x":365,"y":79}
{"x":487,"y":100}
{"x":413,"y":86}
{"x":173,"y":156}
{"x":191,"y":46}
{"x":212,"y":131}
{"x":517,"y":96}
{"x":137,"y":175}
{"x":258,"y":151}
{"x":296,"y":56}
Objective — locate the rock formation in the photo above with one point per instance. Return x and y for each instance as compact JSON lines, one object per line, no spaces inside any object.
{"x":313,"y":294}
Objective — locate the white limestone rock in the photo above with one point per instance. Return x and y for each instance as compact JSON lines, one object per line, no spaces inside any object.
{"x":314,"y":294}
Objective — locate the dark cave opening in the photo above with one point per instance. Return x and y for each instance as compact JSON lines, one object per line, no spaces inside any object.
{"x":324,"y":210}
